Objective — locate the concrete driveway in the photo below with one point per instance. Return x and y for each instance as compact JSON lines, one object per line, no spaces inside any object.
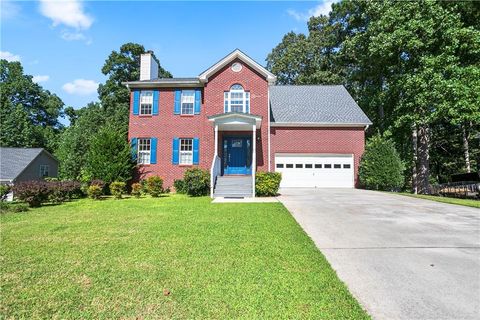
{"x":401,"y":257}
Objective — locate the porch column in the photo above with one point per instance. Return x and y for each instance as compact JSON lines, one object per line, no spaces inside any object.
{"x":216,"y":140}
{"x":254,"y":158}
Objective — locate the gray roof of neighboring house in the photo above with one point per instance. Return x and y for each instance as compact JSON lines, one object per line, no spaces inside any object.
{"x":319,"y":104}
{"x":14,"y":160}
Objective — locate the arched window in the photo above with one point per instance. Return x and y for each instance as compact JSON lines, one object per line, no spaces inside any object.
{"x":237,"y":100}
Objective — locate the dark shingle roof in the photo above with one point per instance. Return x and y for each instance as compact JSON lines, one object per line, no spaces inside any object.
{"x":14,"y":160}
{"x":315,"y":104}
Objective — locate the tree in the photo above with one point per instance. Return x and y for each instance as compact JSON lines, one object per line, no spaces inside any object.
{"x":109,"y":156}
{"x":122,"y":66}
{"x":29,"y":114}
{"x":381,"y":167}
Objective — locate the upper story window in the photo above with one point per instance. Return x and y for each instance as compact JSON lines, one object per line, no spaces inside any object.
{"x":44,"y":168}
{"x":188,"y":100}
{"x":144,"y":149}
{"x":237,"y":99}
{"x":146,"y":102}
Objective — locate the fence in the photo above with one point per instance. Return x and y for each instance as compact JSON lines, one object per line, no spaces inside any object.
{"x":462,"y":189}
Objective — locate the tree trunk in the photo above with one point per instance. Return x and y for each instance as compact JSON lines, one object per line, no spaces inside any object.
{"x":466,"y":151}
{"x":423,"y":161}
{"x":381,"y":116}
{"x":414,"y":162}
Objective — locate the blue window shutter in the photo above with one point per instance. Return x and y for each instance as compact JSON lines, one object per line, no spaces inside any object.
{"x":153,"y":150}
{"x":136,"y":102}
{"x":133,"y":142}
{"x":175,"y":147}
{"x":178,"y":96}
{"x":198,"y":101}
{"x":155,"y":102}
{"x":195,"y":150}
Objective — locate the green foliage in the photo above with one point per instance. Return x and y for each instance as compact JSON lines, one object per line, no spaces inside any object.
{"x":136,"y":190}
{"x":29,"y":114}
{"x":4,"y":191}
{"x":13,"y":207}
{"x":381,"y":167}
{"x":94,"y":192}
{"x":109,"y":156}
{"x":32,"y":192}
{"x":117,"y":188}
{"x":179,"y":186}
{"x":267,"y":183}
{"x":196,"y":182}
{"x":154,"y":185}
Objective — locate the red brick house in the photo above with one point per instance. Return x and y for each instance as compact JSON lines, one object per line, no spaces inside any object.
{"x":233,"y":121}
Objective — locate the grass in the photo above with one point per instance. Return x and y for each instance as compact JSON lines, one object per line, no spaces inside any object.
{"x":462,"y":202}
{"x":114,"y":259}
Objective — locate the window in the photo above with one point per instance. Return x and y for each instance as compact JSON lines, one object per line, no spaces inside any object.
{"x":299,"y":165}
{"x":44,"y":168}
{"x":143,"y":154}
{"x":346,"y":166}
{"x":328,"y":166}
{"x":289,"y":165}
{"x":308,"y":166}
{"x":337,"y":166}
{"x":188,"y":100}
{"x":237,"y":100}
{"x":146,"y":102}
{"x":280,"y":165}
{"x":186,"y":151}
{"x":318,"y":166}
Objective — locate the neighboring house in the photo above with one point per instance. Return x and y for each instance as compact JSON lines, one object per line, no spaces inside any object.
{"x":24,"y":164}
{"x":233,"y":121}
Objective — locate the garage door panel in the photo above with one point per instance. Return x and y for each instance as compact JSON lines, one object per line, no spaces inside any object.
{"x":315,"y":171}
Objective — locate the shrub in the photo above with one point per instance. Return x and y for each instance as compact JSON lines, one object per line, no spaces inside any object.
{"x":179,"y":186}
{"x":117,"y":188}
{"x":57,"y":191}
{"x":136,"y":190}
{"x":196,"y":182}
{"x":31,"y":192}
{"x":267,"y":183}
{"x":4,"y":191}
{"x":381,"y":167}
{"x":73,"y":189}
{"x":154,"y":186}
{"x":98,"y":182}
{"x":94,"y":192}
{"x":12,"y":207}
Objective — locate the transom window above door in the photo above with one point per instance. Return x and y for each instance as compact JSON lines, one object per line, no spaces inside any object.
{"x":237,"y":100}
{"x":188,"y":100}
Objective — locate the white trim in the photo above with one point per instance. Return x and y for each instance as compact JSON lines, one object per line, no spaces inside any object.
{"x":237,"y":54}
{"x":254,"y":157}
{"x":268,"y":137}
{"x":317,"y":124}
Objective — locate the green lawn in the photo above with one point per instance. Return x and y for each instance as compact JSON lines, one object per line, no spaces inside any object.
{"x":462,"y":202}
{"x":114,"y":258}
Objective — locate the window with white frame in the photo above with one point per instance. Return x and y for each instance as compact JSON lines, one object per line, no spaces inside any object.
{"x":143,"y":154}
{"x":146,"y":102}
{"x":186,"y":151}
{"x":44,"y":170}
{"x":237,"y":99}
{"x":188,"y":100}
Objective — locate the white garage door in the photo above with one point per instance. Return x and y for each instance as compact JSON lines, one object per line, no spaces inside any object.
{"x":315,"y":170}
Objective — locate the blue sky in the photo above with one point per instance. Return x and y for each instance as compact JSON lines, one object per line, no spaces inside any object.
{"x":64,"y":44}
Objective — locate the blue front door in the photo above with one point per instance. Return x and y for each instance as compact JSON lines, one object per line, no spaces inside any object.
{"x":237,"y":155}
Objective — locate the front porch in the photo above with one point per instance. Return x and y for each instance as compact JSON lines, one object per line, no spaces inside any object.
{"x":233,"y":167}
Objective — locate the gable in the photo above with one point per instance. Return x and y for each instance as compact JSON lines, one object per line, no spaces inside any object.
{"x":237,"y":55}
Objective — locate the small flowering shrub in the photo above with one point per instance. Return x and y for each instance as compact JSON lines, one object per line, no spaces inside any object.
{"x":117,"y":188}
{"x":179,"y":186}
{"x":267,"y":183}
{"x":136,"y":190}
{"x":94,"y":192}
{"x":154,"y":186}
{"x":32,"y":192}
{"x":196,"y":182}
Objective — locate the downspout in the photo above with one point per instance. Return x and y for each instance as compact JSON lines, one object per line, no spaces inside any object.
{"x":268,"y":128}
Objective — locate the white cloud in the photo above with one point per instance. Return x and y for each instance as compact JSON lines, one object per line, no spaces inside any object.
{"x":40,"y":78}
{"x":72,"y":36}
{"x":9,"y":56}
{"x":322,"y":8}
{"x":81,"y":87}
{"x":8,"y":10}
{"x":69,"y":13}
